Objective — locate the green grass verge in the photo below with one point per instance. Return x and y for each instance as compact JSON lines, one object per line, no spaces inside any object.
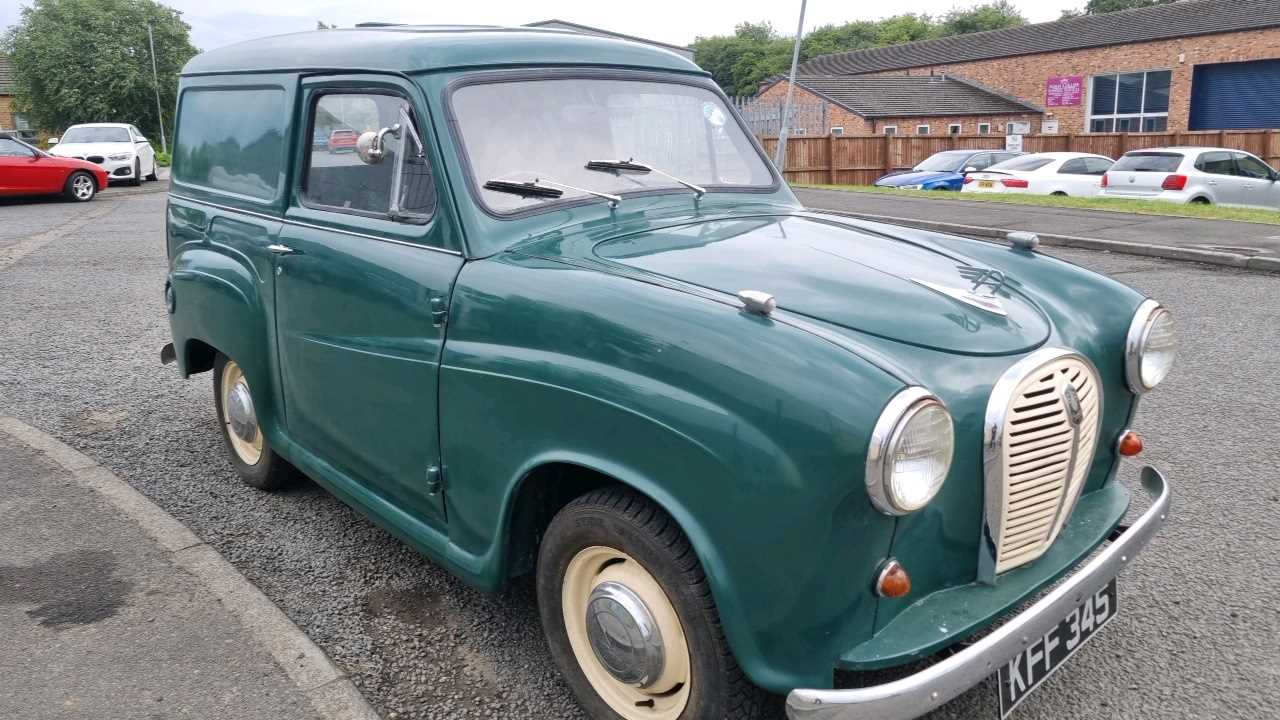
{"x":163,"y":159}
{"x":1141,"y":207}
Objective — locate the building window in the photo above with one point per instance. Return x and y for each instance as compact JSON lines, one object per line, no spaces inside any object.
{"x":890,"y":129}
{"x":953,"y":129}
{"x":1130,"y":102}
{"x":799,"y":131}
{"x":984,"y":128}
{"x":837,"y":130}
{"x":922,"y":129}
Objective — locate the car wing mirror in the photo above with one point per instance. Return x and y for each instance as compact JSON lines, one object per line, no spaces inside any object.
{"x":970,"y":169}
{"x":369,"y":146}
{"x":140,"y":140}
{"x":52,"y":141}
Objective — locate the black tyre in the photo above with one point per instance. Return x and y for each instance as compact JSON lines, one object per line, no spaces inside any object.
{"x":80,"y":187}
{"x":251,"y":455}
{"x":1200,"y":201}
{"x":613,"y":553}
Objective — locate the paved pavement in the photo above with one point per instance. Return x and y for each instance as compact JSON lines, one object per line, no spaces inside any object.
{"x":1208,"y":238}
{"x":100,"y":622}
{"x":1197,"y":636}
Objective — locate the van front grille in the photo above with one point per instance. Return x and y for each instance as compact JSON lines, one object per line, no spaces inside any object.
{"x":1046,"y":443}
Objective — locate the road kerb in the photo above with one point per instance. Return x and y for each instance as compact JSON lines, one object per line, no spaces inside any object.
{"x":1166,"y":252}
{"x":329,"y":690}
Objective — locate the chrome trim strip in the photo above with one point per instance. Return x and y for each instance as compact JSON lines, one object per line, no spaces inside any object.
{"x":298,"y":223}
{"x":926,"y":690}
{"x":1133,"y":343}
{"x":993,"y":450}
{"x":882,"y":438}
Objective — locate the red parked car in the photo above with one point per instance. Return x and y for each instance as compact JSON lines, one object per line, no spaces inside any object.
{"x":344,"y":139}
{"x":26,"y":170}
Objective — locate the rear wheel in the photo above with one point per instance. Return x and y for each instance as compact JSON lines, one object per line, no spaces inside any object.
{"x":629,"y":616}
{"x":80,"y":187}
{"x":1200,"y":201}
{"x":251,"y":455}
{"x":1058,"y":193}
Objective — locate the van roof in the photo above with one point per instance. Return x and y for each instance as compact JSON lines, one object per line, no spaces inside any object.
{"x":410,"y":49}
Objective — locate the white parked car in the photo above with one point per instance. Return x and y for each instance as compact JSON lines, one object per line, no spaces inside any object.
{"x":122,"y":150}
{"x":1048,"y":173}
{"x":1209,"y":175}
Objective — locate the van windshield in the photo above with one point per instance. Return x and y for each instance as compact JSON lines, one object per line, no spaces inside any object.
{"x":547,"y":131}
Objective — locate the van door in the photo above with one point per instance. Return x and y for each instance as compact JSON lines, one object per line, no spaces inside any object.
{"x":367,"y":260}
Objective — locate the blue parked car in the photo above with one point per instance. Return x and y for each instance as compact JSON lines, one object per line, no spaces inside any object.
{"x":945,"y":170}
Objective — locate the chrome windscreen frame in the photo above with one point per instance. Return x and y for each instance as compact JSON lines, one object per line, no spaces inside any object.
{"x":993,"y":452}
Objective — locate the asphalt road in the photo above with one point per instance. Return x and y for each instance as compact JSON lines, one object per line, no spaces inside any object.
{"x":1241,"y":237}
{"x":1197,"y":636}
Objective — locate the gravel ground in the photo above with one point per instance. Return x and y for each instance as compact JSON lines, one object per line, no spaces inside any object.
{"x":1197,"y":635}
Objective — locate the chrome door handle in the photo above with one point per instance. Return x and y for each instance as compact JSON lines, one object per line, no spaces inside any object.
{"x":281,"y":249}
{"x":1213,"y":182}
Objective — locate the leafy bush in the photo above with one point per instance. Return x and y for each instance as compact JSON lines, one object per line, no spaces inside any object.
{"x":163,"y":159}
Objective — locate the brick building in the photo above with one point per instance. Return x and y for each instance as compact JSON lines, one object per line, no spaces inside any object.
{"x":1190,"y":65}
{"x":7,"y":121}
{"x":904,"y":105}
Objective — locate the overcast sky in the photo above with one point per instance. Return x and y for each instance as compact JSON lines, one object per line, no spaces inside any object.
{"x":215,"y":23}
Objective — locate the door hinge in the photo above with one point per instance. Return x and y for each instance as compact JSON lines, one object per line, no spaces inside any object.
{"x":435,"y":479}
{"x":439,"y":311}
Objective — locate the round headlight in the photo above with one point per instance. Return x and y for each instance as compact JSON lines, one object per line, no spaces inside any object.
{"x":910,"y":452}
{"x":1150,"y":347}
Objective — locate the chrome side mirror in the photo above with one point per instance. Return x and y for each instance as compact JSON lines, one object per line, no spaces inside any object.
{"x":52,"y":141}
{"x":369,"y":146}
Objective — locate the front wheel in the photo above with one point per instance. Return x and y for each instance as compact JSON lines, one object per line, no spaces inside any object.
{"x":251,"y":455}
{"x":630,"y":619}
{"x":80,"y":187}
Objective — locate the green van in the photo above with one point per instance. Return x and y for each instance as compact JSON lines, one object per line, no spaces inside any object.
{"x":537,"y":302}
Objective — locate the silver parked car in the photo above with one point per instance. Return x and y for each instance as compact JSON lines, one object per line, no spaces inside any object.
{"x":1194,"y":175}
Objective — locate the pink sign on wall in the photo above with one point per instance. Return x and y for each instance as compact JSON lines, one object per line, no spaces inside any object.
{"x":1064,"y":91}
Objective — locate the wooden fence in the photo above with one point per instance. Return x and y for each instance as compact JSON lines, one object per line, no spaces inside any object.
{"x":860,"y":159}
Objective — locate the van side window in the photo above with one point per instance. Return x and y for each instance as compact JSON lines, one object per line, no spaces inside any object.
{"x":337,"y":179}
{"x":231,"y":141}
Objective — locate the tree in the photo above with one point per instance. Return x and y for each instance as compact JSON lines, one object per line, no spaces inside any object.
{"x":78,"y":61}
{"x":740,"y":62}
{"x":1098,"y":7}
{"x":995,"y":15}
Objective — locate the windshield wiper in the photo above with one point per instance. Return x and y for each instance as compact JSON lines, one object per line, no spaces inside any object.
{"x":538,"y":187}
{"x":630,"y":165}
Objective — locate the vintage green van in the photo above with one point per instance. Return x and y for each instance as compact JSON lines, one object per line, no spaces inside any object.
{"x":553,"y":311}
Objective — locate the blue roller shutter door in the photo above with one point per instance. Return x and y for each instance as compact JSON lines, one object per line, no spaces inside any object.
{"x":1236,"y":96}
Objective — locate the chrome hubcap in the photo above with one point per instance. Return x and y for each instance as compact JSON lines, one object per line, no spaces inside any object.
{"x":240,"y":413}
{"x":623,"y":634}
{"x":83,"y":187}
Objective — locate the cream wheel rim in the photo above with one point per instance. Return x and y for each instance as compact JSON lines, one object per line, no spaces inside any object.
{"x":601,"y":570}
{"x":238,"y":415}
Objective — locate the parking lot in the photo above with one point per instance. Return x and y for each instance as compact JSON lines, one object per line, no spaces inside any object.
{"x":1197,"y":634}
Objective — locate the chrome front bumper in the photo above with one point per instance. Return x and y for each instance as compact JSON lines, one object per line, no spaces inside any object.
{"x":917,"y":694}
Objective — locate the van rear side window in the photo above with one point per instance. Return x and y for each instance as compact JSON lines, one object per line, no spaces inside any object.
{"x":232,"y":141}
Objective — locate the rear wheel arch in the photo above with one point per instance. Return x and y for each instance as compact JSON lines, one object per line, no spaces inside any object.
{"x":1200,"y":200}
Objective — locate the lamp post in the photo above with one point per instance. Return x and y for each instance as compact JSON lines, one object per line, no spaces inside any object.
{"x":155,"y":76}
{"x":780,"y":159}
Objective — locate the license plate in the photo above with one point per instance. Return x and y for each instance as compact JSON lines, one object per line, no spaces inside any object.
{"x":1044,"y":655}
{"x":986,"y":183}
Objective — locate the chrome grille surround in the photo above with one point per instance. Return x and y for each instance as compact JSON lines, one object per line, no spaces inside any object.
{"x":1039,"y":437}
